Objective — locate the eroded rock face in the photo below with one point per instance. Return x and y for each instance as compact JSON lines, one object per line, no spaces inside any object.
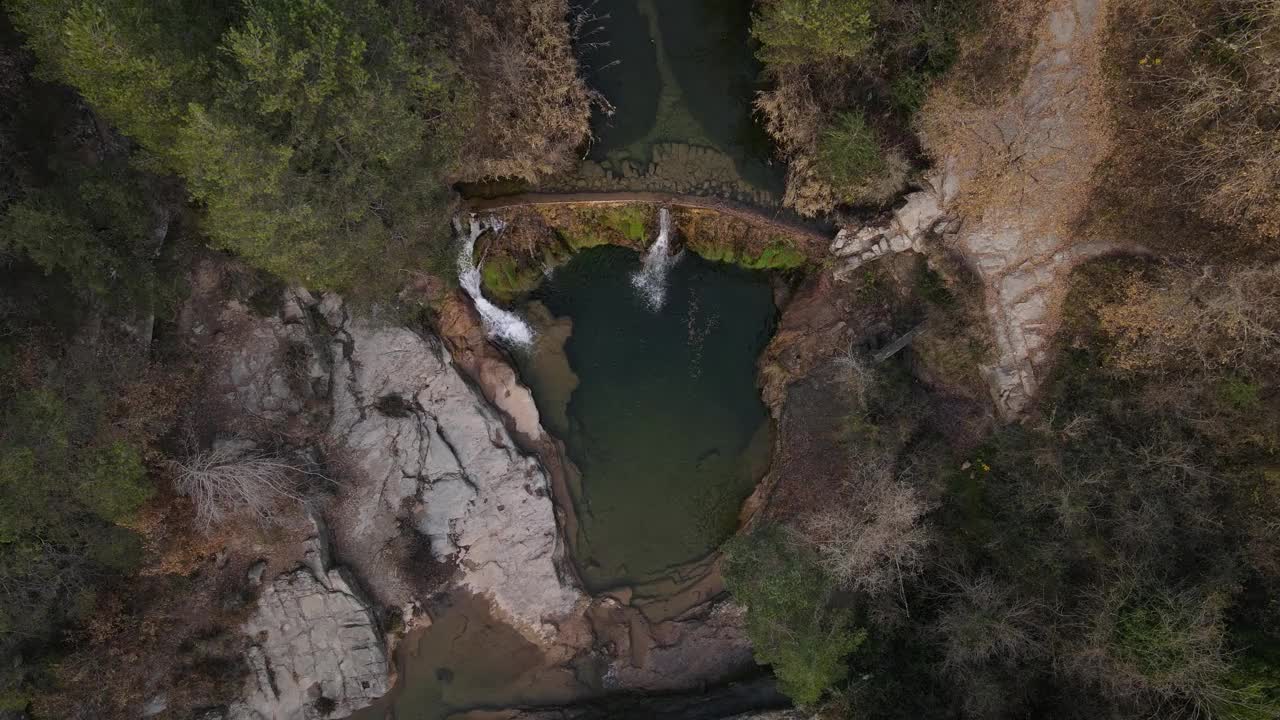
{"x":905,"y":230}
{"x":317,"y":649}
{"x":707,"y":643}
{"x":424,"y":445}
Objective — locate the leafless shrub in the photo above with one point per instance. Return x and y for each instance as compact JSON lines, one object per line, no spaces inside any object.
{"x":858,"y":375}
{"x":874,"y":536}
{"x":983,"y":623}
{"x":1217,"y":319}
{"x":225,"y":481}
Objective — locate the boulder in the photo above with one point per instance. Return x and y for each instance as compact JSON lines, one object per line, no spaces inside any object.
{"x":921,"y":211}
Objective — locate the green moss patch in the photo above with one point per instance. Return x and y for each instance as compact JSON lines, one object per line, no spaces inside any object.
{"x":504,"y":278}
{"x":514,"y":265}
{"x":586,"y":226}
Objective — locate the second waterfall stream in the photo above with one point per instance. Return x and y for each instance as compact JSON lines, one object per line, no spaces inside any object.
{"x":651,"y":279}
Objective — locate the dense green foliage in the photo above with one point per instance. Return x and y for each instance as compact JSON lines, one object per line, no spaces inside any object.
{"x":89,"y":222}
{"x":80,"y":234}
{"x":849,"y":151}
{"x":315,"y":134}
{"x":793,"y":32}
{"x":790,"y":619}
{"x":66,"y":478}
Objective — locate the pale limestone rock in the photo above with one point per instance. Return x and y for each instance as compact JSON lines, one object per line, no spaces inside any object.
{"x":314,"y":637}
{"x":905,"y":231}
{"x":848,"y":243}
{"x":418,"y":433}
{"x":840,"y":244}
{"x":331,"y":309}
{"x":919,"y":214}
{"x":254,"y":379}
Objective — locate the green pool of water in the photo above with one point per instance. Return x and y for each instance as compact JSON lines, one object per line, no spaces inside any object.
{"x":663,"y":416}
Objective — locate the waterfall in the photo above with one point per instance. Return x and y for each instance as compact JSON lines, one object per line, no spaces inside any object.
{"x":651,"y":280}
{"x":501,"y":324}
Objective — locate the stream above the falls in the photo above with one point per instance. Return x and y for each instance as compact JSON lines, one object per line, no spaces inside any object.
{"x":681,"y":76}
{"x":657,"y":405}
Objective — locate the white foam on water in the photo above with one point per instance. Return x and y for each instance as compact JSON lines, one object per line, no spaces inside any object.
{"x":501,"y":324}
{"x":651,"y":279}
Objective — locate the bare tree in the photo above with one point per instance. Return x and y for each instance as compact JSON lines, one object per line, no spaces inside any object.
{"x":984,"y":622}
{"x":860,"y":376}
{"x":225,"y":481}
{"x":873,"y":537}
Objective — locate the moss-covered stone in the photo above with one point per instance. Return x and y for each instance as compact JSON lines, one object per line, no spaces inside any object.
{"x":723,"y":238}
{"x":779,"y":256}
{"x":513,"y":264}
{"x":505,"y":279}
{"x":584,"y":226}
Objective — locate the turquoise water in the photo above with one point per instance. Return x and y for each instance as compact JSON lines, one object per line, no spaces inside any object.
{"x":665,"y":422}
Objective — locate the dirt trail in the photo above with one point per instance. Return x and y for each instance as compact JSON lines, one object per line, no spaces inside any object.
{"x":1019,"y":174}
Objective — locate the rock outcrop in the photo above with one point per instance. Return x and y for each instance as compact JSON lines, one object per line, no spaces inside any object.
{"x":424,"y":466}
{"x":905,"y":230}
{"x":1023,"y":169}
{"x":425,"y":447}
{"x":317,"y":651}
{"x":707,"y":643}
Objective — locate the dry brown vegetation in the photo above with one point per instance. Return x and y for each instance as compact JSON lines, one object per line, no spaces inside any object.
{"x":874,"y":536}
{"x":1211,"y":69}
{"x":1212,"y":320}
{"x":916,"y":44}
{"x":1196,"y":87}
{"x":800,"y":105}
{"x":172,"y":630}
{"x":995,"y":123}
{"x":532,"y":109}
{"x":225,"y":481}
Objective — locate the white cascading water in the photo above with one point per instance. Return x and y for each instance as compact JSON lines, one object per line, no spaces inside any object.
{"x":501,"y":324}
{"x":651,"y":280}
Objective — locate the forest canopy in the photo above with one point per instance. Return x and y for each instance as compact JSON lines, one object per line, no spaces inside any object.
{"x":316,"y":135}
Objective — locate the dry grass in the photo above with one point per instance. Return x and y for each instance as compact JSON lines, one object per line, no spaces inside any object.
{"x":994,"y":59}
{"x":1203,"y":319}
{"x":532,"y":109}
{"x":1196,"y":87}
{"x":1214,"y":68}
{"x":1023,"y":132}
{"x":225,"y":481}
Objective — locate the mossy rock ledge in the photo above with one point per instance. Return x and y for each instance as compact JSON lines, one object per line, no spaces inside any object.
{"x":538,"y":238}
